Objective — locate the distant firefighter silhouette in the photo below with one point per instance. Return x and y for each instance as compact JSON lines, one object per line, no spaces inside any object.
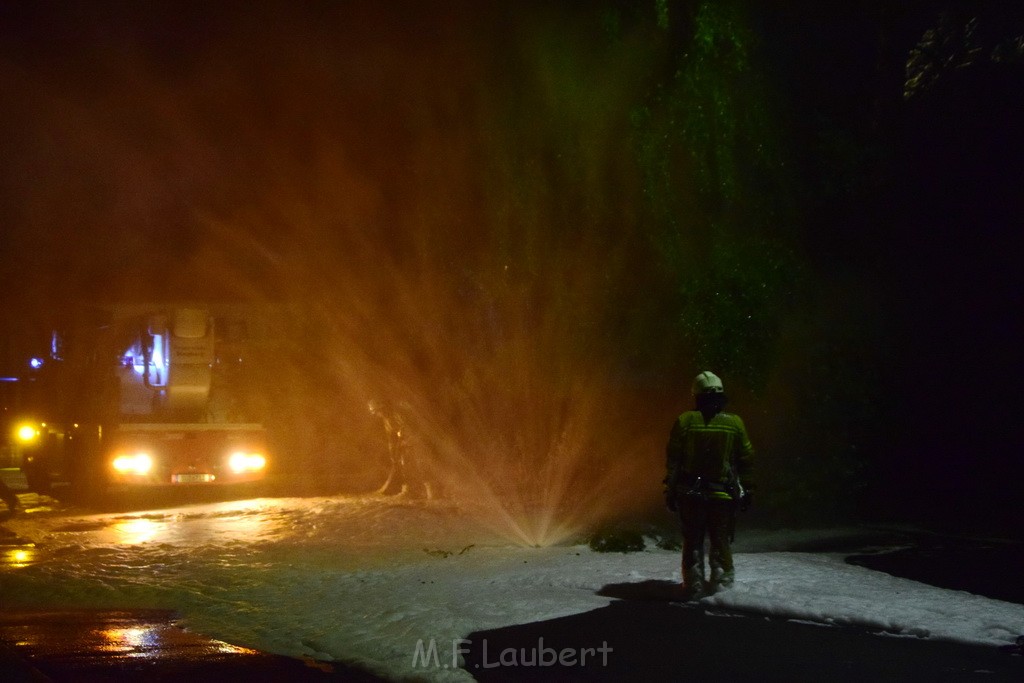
{"x":405,"y":476}
{"x":10,"y":499}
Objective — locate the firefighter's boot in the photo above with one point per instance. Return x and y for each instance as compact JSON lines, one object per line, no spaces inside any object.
{"x":693,"y":580}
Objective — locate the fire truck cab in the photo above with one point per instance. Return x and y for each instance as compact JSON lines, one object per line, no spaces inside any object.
{"x":144,"y":395}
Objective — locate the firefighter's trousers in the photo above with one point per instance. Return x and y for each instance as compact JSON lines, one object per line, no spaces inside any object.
{"x":701,"y":517}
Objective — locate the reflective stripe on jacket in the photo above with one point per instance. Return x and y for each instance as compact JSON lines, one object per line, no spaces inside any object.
{"x":716,"y":452}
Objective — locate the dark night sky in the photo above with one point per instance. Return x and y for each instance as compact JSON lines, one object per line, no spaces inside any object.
{"x":956,"y":281}
{"x":131,"y":135}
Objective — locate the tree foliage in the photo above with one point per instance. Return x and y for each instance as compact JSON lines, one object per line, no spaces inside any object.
{"x":717,"y":190}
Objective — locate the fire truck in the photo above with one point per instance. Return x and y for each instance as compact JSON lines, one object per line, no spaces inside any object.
{"x":141,"y":395}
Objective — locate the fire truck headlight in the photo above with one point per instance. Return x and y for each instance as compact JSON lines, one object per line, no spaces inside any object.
{"x":137,"y":463}
{"x":27,"y":433}
{"x":240,"y":462}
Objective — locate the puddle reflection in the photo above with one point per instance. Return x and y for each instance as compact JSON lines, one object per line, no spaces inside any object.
{"x":136,"y":641}
{"x":136,"y":530}
{"x":239,"y":523}
{"x":22,"y":556}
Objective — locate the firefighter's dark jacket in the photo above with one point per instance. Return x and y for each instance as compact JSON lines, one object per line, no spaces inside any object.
{"x":717,"y":452}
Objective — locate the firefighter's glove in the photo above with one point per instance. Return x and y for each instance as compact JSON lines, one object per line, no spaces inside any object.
{"x":670,"y":501}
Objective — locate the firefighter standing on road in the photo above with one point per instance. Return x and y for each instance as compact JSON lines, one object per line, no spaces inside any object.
{"x":709,"y":461}
{"x":9,"y":498}
{"x":405,"y":475}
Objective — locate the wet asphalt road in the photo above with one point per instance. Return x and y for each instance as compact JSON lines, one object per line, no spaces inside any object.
{"x":137,"y":645}
{"x":131,"y":645}
{"x":113,"y":645}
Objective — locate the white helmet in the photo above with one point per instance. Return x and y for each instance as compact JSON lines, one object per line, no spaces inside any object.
{"x":707,"y":383}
